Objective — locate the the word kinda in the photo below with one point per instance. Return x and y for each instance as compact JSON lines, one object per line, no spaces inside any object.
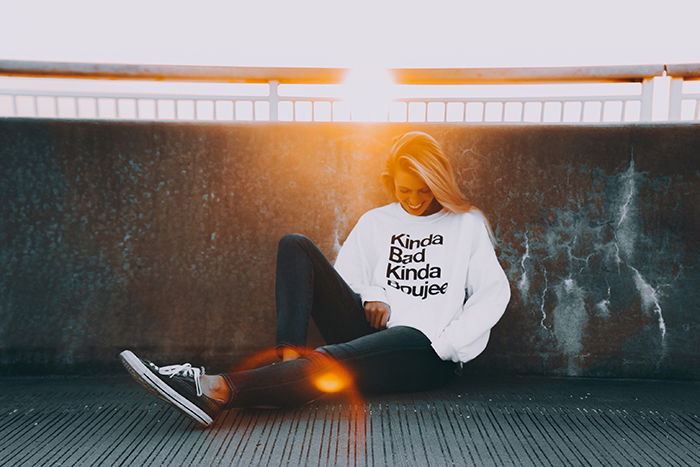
{"x":405,"y":241}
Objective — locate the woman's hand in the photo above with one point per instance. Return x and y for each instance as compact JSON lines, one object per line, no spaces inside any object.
{"x":377,"y":314}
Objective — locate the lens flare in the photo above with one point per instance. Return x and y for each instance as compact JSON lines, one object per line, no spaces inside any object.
{"x":330,"y":382}
{"x":331,"y":378}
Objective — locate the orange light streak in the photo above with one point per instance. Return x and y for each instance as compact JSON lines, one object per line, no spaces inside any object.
{"x":330,"y":377}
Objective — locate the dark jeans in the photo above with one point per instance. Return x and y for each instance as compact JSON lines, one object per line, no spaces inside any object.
{"x":389,"y":360}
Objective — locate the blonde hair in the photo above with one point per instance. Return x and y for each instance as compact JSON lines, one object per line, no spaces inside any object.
{"x":421,"y":154}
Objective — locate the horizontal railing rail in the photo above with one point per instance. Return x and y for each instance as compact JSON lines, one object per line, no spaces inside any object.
{"x":308,"y":75}
{"x":618,"y":104}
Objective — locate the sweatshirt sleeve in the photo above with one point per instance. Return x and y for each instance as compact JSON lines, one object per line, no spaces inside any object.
{"x":488,"y":290}
{"x":355,"y":265}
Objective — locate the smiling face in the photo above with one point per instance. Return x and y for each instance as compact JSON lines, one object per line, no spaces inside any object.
{"x":414,"y":195}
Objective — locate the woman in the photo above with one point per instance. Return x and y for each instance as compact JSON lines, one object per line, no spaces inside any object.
{"x":414,"y":292}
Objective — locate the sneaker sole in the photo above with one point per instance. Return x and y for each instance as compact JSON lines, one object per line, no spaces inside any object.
{"x":155,"y":386}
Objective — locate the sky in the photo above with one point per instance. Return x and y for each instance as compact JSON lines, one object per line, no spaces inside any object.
{"x":389,"y":34}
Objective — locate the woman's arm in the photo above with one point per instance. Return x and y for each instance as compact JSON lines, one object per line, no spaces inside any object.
{"x":355,"y":267}
{"x":488,"y":290}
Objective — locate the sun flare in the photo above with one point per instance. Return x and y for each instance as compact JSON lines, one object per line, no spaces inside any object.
{"x":369,"y":91}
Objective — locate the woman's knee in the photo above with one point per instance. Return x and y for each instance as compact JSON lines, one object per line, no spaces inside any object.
{"x":293,"y":240}
{"x":298,"y":251}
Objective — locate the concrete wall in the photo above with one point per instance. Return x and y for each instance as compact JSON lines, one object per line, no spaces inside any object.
{"x":161,"y":237}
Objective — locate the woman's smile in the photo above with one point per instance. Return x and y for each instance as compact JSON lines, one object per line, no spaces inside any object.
{"x":414,"y":195}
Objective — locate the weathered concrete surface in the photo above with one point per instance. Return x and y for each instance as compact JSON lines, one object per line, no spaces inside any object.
{"x":161,"y":237}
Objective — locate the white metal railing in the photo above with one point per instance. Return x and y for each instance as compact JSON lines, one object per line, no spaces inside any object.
{"x":190,"y":107}
{"x":635,"y":95}
{"x":62,"y":104}
{"x":542,"y":109}
{"x":684,"y":100}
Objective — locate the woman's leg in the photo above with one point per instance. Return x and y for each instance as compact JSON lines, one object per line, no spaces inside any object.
{"x":392,"y":360}
{"x":307,"y":285}
{"x":395,"y":359}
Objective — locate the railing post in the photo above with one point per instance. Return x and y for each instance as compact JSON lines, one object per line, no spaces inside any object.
{"x":274,"y":100}
{"x":675,"y":99}
{"x":647,"y":99}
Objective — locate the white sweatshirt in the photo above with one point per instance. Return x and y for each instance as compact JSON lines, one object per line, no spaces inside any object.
{"x":423,"y":267}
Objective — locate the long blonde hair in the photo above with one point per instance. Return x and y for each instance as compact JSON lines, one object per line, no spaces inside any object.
{"x":419,"y":153}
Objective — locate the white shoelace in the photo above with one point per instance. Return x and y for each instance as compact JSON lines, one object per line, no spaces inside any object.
{"x":184,"y":369}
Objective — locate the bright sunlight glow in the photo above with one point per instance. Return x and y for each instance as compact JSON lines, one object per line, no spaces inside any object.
{"x":368,"y":91}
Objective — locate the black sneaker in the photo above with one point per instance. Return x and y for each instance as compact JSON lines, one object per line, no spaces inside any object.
{"x":176,"y":384}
